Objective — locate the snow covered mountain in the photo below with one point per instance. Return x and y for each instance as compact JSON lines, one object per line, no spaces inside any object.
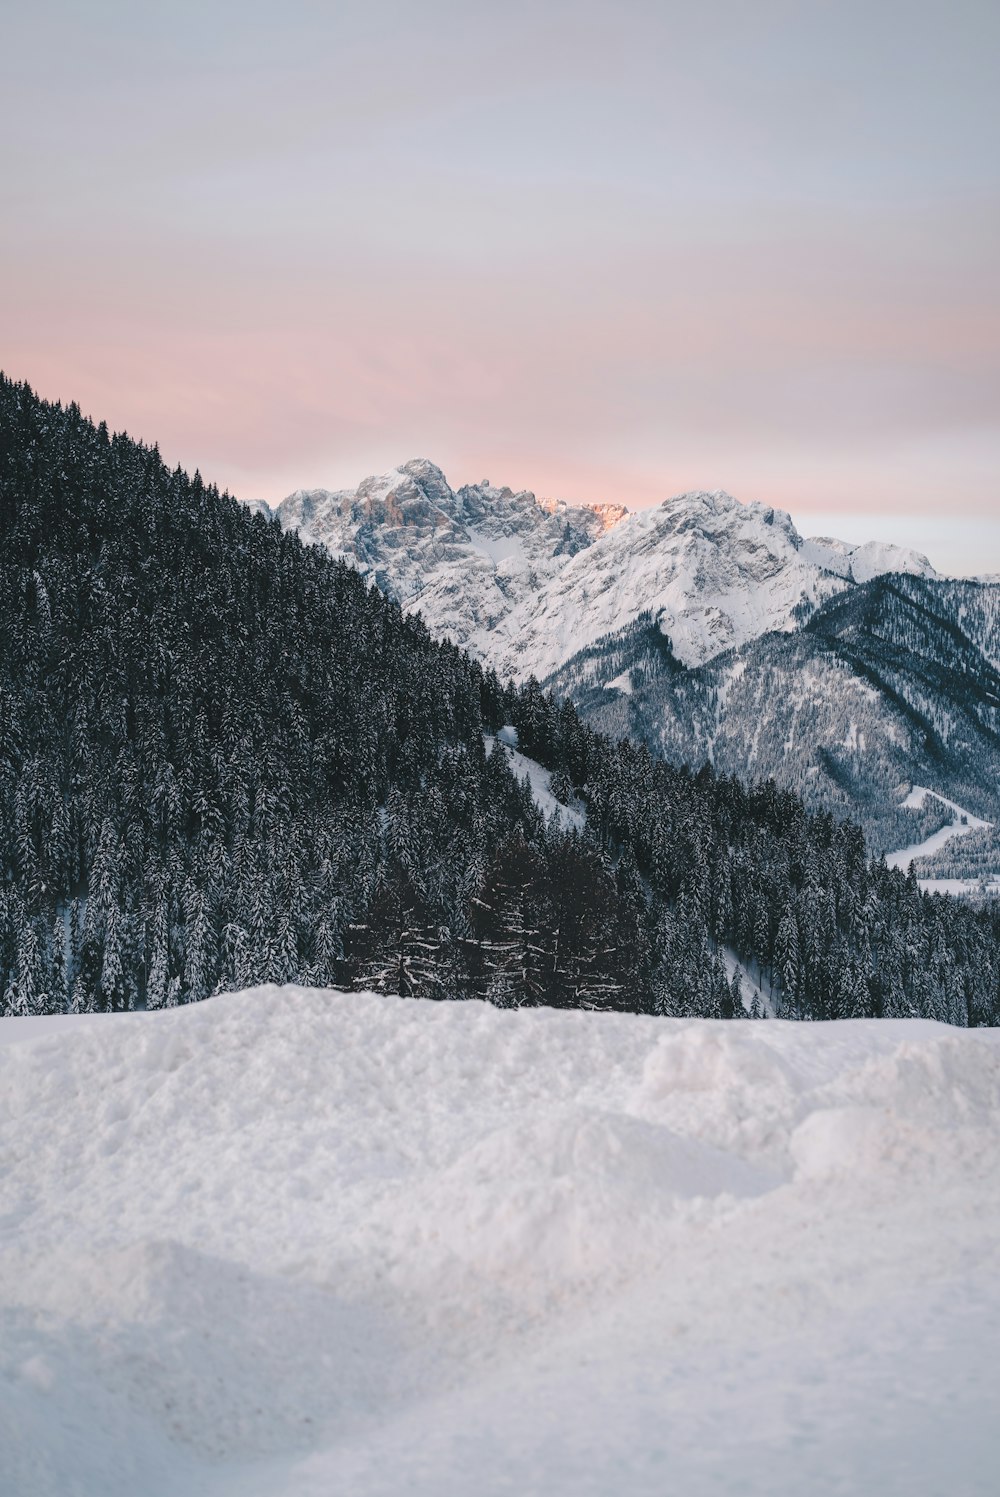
{"x":713,"y":573}
{"x":894,"y":682}
{"x":525,"y":583}
{"x":706,"y":628}
{"x":464,"y":559}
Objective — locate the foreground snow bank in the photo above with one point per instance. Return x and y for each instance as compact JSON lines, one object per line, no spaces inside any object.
{"x":306,"y":1242}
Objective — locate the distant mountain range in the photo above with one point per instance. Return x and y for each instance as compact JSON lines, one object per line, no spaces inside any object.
{"x":526,"y":583}
{"x":891,"y":683}
{"x":709,"y":629}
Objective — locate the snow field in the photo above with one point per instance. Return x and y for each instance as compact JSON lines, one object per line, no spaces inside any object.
{"x":305,"y":1242}
{"x":962,"y":823}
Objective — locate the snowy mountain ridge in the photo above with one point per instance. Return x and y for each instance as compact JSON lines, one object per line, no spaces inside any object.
{"x":712,"y":572}
{"x":463,"y":558}
{"x":890,"y":684}
{"x":525,"y":583}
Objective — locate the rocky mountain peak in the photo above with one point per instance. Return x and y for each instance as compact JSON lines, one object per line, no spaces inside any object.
{"x":525,"y":582}
{"x":716,"y":511}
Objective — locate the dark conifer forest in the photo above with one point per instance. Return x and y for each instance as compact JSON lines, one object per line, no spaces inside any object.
{"x":225,"y":760}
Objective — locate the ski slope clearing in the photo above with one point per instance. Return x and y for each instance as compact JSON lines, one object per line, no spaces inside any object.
{"x":301,"y":1242}
{"x":570,"y":818}
{"x":962,"y":823}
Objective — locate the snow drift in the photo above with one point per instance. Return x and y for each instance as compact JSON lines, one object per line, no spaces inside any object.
{"x":306,"y":1242}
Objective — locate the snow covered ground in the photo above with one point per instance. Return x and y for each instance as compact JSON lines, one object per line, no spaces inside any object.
{"x":571,"y":818}
{"x":308,"y":1243}
{"x":990,"y":885}
{"x":962,"y":823}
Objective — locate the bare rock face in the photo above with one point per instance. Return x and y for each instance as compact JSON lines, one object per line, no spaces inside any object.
{"x":463,"y":558}
{"x":526,"y":583}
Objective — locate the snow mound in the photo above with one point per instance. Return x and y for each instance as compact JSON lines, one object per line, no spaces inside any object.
{"x":726,"y":1082}
{"x":844,"y":1140}
{"x":221,"y":1358}
{"x":945,"y":1083}
{"x":598,"y":1179}
{"x":731,"y":1062}
{"x":302,"y":1242}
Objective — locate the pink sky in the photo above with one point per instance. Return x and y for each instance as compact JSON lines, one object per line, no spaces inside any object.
{"x":603,"y":252}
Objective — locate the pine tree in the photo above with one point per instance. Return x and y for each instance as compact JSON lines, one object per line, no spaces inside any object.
{"x":157,"y":982}
{"x":200,"y":956}
{"x":786,"y":958}
{"x":58,"y":991}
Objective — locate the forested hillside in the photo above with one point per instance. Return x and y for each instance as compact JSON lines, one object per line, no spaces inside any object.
{"x":224,"y":759}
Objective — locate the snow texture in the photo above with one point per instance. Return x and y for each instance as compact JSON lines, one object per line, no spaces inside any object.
{"x":306,"y":1242}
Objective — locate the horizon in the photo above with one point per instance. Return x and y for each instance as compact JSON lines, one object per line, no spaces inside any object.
{"x":934,"y":538}
{"x":606,"y":253}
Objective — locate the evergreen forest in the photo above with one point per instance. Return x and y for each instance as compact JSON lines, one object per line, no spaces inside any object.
{"x":225,"y":760}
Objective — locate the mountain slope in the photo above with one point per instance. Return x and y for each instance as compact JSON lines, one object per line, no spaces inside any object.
{"x":892,"y":683}
{"x":524,"y":583}
{"x":712,"y":572}
{"x":225,"y":759}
